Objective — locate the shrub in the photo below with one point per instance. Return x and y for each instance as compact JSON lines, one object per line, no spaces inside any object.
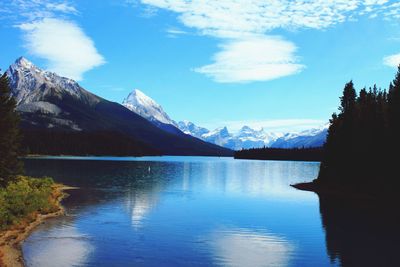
{"x":23,"y":197}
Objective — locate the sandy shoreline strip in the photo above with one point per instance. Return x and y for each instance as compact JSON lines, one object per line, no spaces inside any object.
{"x":11,"y":240}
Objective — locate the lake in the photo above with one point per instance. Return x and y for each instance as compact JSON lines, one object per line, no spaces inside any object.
{"x":193,"y":211}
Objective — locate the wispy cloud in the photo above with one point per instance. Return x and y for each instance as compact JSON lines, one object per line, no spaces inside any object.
{"x":49,"y":32}
{"x":29,"y":10}
{"x":62,"y":7}
{"x":392,"y":61}
{"x":253,"y":59}
{"x":243,"y":25}
{"x":174,"y":32}
{"x":68,"y":50}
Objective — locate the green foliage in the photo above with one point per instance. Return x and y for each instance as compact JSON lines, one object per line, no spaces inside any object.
{"x":363,"y":139}
{"x":22,"y":197}
{"x":9,"y":135}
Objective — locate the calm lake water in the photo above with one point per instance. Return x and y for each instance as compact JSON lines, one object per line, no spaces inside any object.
{"x":193,"y":211}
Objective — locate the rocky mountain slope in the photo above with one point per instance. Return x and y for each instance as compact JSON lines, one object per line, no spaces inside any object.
{"x":58,"y":116}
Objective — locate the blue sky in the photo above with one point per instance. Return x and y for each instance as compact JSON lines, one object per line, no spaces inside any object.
{"x":278,"y":64}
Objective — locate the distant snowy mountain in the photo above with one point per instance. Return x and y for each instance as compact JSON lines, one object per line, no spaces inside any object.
{"x":244,"y":138}
{"x":309,"y":138}
{"x":220,"y":136}
{"x":190,"y":128}
{"x":149,"y":109}
{"x":247,"y":137}
{"x":146,"y":107}
{"x":250,"y":138}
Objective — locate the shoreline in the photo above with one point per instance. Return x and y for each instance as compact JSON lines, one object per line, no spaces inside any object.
{"x":11,"y":239}
{"x":341,"y":193}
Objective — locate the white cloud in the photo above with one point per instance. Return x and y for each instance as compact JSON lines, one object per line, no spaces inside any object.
{"x":253,"y":59}
{"x":62,"y":7}
{"x":244,"y":25}
{"x":392,"y":61}
{"x":227,"y":18}
{"x":67,"y":49}
{"x":50,"y":33}
{"x":175,"y":32}
{"x":30,"y":10}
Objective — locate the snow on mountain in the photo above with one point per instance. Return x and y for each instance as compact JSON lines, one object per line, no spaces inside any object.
{"x":39,"y":93}
{"x":190,"y":128}
{"x":220,"y":136}
{"x":247,"y":137}
{"x":146,"y":107}
{"x":256,"y":138}
{"x":31,"y":84}
{"x":309,"y":138}
{"x":35,"y":91}
{"x":48,"y":101}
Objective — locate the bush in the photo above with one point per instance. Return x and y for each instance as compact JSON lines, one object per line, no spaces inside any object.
{"x":23,"y":197}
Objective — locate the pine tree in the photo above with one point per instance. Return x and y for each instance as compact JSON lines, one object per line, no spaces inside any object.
{"x":9,"y":134}
{"x":394,"y":110}
{"x":348,"y":99}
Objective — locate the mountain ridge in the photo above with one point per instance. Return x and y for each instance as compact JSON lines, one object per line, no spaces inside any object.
{"x":56,"y":106}
{"x":245,"y":138}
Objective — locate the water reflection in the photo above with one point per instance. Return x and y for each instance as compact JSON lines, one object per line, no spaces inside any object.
{"x":362,"y":234}
{"x":65,"y":244}
{"x":161,"y":213}
{"x":139,"y":205}
{"x":248,"y":248}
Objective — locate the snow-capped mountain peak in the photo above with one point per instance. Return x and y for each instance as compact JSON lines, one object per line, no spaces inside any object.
{"x":247,"y":131}
{"x":247,"y":137}
{"x":31,"y":84}
{"x":146,"y":107}
{"x":23,"y":63}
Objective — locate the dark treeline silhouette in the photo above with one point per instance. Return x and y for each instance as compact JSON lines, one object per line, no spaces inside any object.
{"x":298,"y":154}
{"x":361,"y":151}
{"x":47,"y":142}
{"x":10,"y":136}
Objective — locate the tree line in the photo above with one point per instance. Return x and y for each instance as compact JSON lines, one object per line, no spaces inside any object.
{"x":266,"y":153}
{"x":80,"y":143}
{"x":363,"y":140}
{"x":10,"y":136}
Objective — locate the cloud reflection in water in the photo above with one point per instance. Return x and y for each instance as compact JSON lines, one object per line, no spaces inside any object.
{"x":65,"y":244}
{"x":242,"y":247}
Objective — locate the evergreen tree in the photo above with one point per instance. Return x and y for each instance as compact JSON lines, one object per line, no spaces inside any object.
{"x":394,"y":110}
{"x":363,"y":140}
{"x":348,"y":99}
{"x":9,"y":134}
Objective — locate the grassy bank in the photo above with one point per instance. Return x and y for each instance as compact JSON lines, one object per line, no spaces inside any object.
{"x":24,"y":204}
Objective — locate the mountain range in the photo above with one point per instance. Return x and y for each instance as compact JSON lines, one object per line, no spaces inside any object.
{"x":245,"y":138}
{"x":248,"y":137}
{"x":58,"y":116}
